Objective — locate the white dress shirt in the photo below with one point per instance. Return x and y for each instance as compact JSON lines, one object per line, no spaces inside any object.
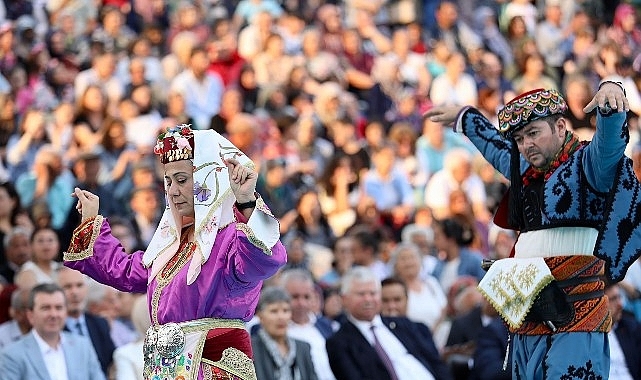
{"x":310,"y":334}
{"x":54,"y":358}
{"x":618,"y":367}
{"x":407,"y":367}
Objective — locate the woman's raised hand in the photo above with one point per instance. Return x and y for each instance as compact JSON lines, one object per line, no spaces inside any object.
{"x":242,"y":180}
{"x":88,"y":203}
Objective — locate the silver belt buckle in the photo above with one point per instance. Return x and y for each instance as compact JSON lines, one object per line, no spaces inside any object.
{"x":167,"y":340}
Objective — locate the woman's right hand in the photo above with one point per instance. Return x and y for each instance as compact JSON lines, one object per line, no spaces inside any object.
{"x":87,"y":204}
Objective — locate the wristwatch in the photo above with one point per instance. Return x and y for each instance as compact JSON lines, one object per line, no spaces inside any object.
{"x":245,"y":205}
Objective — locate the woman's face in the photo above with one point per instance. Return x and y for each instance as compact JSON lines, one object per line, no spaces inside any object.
{"x":93,"y":99}
{"x":517,"y":27}
{"x":117,"y":135}
{"x":176,"y":104}
{"x":534,"y":65}
{"x":45,"y":245}
{"x":407,"y":264}
{"x":275,"y":45}
{"x":309,"y":205}
{"x":441,"y":242}
{"x":248,"y":79}
{"x":179,"y":180}
{"x":275,"y":317}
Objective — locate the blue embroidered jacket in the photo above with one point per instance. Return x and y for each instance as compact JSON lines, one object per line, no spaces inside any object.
{"x":595,"y":188}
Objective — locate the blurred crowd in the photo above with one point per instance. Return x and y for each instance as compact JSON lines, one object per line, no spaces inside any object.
{"x":327,"y":99}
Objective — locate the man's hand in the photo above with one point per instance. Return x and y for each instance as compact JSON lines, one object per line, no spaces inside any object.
{"x":242,"y":181}
{"x":443,"y":114}
{"x":87,"y":204}
{"x":610,"y":95}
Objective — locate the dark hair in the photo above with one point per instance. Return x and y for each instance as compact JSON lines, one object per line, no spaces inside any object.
{"x":552,"y":119}
{"x":365,"y":237}
{"x":394,"y":281}
{"x":110,"y":123}
{"x":196,"y":50}
{"x":13,"y":194}
{"x":46,"y":288}
{"x":453,"y":229}
{"x":37,"y":230}
{"x":334,"y":163}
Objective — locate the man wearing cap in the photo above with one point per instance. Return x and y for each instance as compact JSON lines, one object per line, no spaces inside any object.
{"x":575,"y":205}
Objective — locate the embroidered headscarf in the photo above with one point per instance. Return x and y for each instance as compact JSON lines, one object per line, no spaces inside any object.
{"x":213,"y":198}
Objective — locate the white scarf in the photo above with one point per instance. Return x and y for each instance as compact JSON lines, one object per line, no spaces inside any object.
{"x":213,"y":204}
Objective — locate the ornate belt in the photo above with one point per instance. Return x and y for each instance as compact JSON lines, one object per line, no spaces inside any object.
{"x":176,"y":348}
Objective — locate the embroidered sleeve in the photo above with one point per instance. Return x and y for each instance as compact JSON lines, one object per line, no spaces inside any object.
{"x":95,"y":252}
{"x":262,"y":229}
{"x":83,"y":239}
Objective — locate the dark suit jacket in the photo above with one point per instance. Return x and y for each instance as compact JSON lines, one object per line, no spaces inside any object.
{"x":465,"y":328}
{"x":351,"y":356}
{"x":100,"y":339}
{"x":265,"y":365}
{"x":628,"y":332}
{"x":8,"y":273}
{"x":491,"y":345}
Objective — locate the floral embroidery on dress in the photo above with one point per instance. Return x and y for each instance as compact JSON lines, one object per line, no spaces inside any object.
{"x":201,"y":192}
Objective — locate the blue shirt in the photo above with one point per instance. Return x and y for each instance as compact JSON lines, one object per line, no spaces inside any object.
{"x":396,"y":191}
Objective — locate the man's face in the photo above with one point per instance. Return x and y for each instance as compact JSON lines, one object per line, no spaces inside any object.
{"x":539,"y":143}
{"x":19,"y":249}
{"x":302,"y":293}
{"x":615,"y":303}
{"x":48,"y":314}
{"x":363,"y":300}
{"x":75,"y":288}
{"x":394,"y":300}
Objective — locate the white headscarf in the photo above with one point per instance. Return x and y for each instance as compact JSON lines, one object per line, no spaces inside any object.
{"x":213,"y":204}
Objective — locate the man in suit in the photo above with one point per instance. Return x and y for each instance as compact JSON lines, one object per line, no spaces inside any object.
{"x":12,"y":330}
{"x":624,"y":337}
{"x":368,"y":346}
{"x":465,"y":329}
{"x":80,"y":322}
{"x":490,"y":354}
{"x":48,"y":353}
{"x":305,"y":325}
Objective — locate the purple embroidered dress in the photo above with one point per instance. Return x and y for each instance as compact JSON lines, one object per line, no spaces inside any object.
{"x":198,"y":299}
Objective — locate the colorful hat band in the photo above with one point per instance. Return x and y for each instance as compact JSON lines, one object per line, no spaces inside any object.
{"x":528,"y":107}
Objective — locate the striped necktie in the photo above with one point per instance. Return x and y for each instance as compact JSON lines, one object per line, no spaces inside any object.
{"x":387,"y":362}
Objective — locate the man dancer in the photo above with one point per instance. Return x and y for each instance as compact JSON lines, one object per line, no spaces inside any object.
{"x":573,"y":203}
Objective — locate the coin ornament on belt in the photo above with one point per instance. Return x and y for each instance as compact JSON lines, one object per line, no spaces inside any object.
{"x":149,"y":345}
{"x":171,"y":340}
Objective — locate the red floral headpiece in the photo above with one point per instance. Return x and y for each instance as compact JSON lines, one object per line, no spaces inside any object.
{"x":176,"y":144}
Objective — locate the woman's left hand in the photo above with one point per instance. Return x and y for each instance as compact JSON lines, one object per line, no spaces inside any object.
{"x":242,"y":181}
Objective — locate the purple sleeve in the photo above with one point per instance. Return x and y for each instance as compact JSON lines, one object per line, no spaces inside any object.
{"x":95,"y":252}
{"x":251,"y":263}
{"x":256,"y":253}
